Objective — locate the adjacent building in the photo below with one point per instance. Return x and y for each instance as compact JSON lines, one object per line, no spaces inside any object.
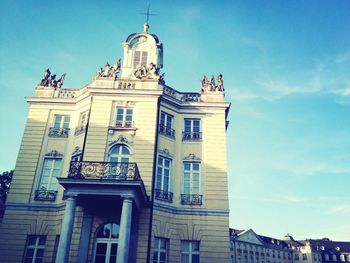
{"x":124,"y":169}
{"x":249,"y":247}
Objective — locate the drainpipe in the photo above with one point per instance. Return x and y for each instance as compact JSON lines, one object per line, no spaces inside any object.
{"x":153,"y":184}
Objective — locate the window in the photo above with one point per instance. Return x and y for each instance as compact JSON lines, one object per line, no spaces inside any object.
{"x":304,"y":256}
{"x":160,"y":250}
{"x":60,"y":127}
{"x":124,"y":118}
{"x":334,"y":257}
{"x":296,"y":257}
{"x":140,"y":58}
{"x":35,"y":246}
{"x":191,"y":184}
{"x":192,"y":130}
{"x":326,"y":257}
{"x":48,"y":182}
{"x":82,"y":123}
{"x":119,"y":166}
{"x":106,"y":245}
{"x":166,"y":124}
{"x":55,"y":248}
{"x":189,"y":251}
{"x":163,"y":179}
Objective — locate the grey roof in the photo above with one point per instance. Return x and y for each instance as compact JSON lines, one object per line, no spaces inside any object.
{"x":329,"y":246}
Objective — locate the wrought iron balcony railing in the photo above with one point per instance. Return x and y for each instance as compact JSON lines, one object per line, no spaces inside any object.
{"x":58,"y":132}
{"x":163,"y":195}
{"x":124,"y":124}
{"x":166,"y":131}
{"x":191,"y":199}
{"x":45,"y":195}
{"x":80,"y":130}
{"x":191,"y":136}
{"x":107,"y":170}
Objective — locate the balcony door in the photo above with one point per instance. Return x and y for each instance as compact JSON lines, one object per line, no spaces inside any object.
{"x":106,"y":245}
{"x":119,"y":158}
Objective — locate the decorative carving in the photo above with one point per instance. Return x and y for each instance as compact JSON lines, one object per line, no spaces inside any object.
{"x":191,"y":97}
{"x":165,"y":152}
{"x":126,"y":85}
{"x":49,"y":80}
{"x":152,"y":72}
{"x":169,"y":91}
{"x":66,"y":93}
{"x":54,"y":154}
{"x":76,"y":151}
{"x":108,"y":71}
{"x":192,"y":157}
{"x":121,"y":139}
{"x":210,"y":85}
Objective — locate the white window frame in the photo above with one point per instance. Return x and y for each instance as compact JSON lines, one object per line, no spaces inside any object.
{"x":167,"y":117}
{"x":157,"y":249}
{"x":63,"y":123}
{"x":124,"y":123}
{"x":51,"y":176}
{"x":163,"y":168}
{"x":109,"y":241}
{"x":120,"y":155}
{"x":143,"y":58}
{"x":35,"y":246}
{"x":190,"y":251}
{"x":191,"y":163}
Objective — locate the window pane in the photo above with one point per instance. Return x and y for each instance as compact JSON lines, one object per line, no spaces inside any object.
{"x":58,"y":119}
{"x":185,"y":258}
{"x":125,"y":150}
{"x":163,"y":243}
{"x":38,"y":260}
{"x":137,"y":57}
{"x":115,"y":231}
{"x":66,"y":122}
{"x":114,"y":248}
{"x":101,"y":248}
{"x":144,"y":58}
{"x":185,"y":246}
{"x":195,"y":166}
{"x":100,"y":259}
{"x":40,"y":252}
{"x":30,"y":252}
{"x":195,"y":246}
{"x":195,"y":258}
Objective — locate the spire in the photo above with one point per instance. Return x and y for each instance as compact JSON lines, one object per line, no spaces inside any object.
{"x":148,"y":14}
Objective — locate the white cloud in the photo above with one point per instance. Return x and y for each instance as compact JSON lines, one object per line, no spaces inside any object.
{"x":339,"y":209}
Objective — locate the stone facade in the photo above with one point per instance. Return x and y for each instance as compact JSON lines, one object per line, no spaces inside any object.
{"x":126,"y":167}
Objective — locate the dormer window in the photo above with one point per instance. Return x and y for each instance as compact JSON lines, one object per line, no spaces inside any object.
{"x":140,"y":59}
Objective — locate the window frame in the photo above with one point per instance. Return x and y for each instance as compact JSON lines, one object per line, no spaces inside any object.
{"x":142,"y":56}
{"x":109,"y":241}
{"x":190,"y":132}
{"x":164,"y":128}
{"x":36,"y":247}
{"x":124,"y":123}
{"x":159,"y":250}
{"x":191,"y":163}
{"x":190,"y":251}
{"x":62,"y":123}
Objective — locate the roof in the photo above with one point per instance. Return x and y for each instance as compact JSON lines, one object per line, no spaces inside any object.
{"x":134,"y":34}
{"x":329,"y":246}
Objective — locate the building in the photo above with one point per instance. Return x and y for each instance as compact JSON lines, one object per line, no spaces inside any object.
{"x":124,"y":169}
{"x":249,"y":247}
{"x":322,"y":250}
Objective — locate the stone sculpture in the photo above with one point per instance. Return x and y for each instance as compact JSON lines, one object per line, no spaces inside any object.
{"x":49,"y":80}
{"x":210,"y":85}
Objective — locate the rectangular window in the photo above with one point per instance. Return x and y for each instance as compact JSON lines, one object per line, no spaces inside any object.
{"x":48,"y":182}
{"x":124,"y":118}
{"x":192,"y":130}
{"x":60,"y":127}
{"x":140,"y":58}
{"x":82,"y":123}
{"x":166,"y":125}
{"x":190,"y":251}
{"x":34,"y":251}
{"x":163,"y":179}
{"x":191,"y":183}
{"x":304,"y":256}
{"x":160,"y":250}
{"x":61,"y":121}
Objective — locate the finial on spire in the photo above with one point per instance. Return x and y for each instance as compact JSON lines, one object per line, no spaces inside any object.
{"x":148,"y":14}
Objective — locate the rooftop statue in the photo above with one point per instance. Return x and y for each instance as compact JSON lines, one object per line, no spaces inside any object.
{"x":49,"y":80}
{"x":108,"y":71}
{"x":210,"y":85}
{"x":151,"y":72}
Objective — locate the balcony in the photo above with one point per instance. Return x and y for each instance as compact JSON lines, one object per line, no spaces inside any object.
{"x":191,"y":199}
{"x":192,"y":136}
{"x":163,"y":196}
{"x":45,"y":195}
{"x":58,"y":132}
{"x":109,"y":181}
{"x":124,"y":124}
{"x":166,"y":131}
{"x":104,"y":170}
{"x":79,"y":130}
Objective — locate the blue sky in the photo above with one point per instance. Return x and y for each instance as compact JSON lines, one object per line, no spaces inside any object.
{"x":286,"y":68}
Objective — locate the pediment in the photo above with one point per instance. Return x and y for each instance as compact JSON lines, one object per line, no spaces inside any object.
{"x":249,"y":236}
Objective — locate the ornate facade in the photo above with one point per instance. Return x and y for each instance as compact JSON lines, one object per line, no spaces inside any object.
{"x":125,"y":169}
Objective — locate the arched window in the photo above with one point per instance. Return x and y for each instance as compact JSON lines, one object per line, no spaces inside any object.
{"x":119,"y":154}
{"x":106,"y":245}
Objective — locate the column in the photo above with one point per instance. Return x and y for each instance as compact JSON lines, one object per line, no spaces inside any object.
{"x":66,"y":231}
{"x":84,"y":238}
{"x":124,"y":232}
